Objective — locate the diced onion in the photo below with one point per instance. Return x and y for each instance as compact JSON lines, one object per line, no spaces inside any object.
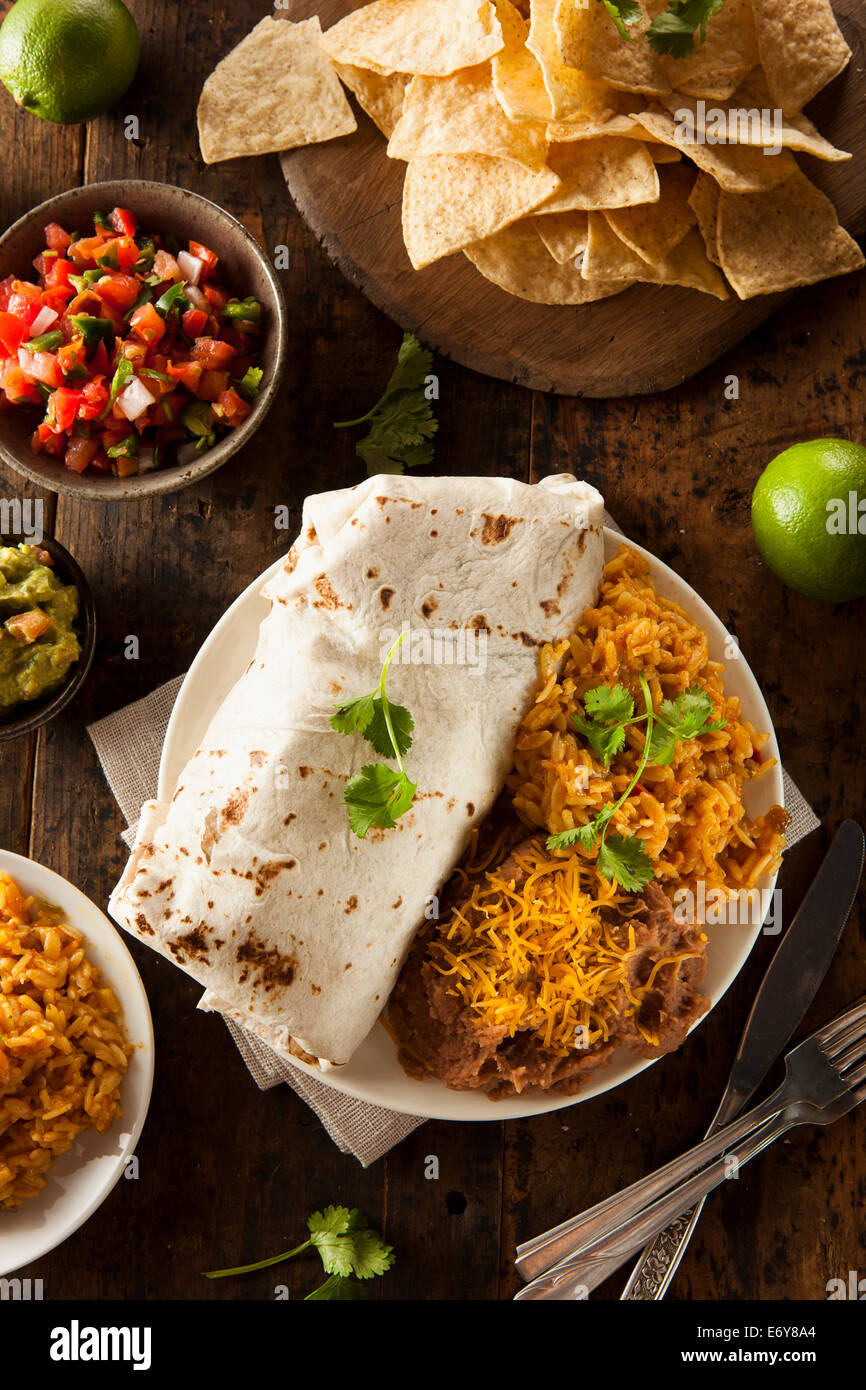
{"x":190,"y":267}
{"x":196,"y":298}
{"x":134,"y":399}
{"x":146,"y":460}
{"x":25,"y":362}
{"x":43,"y":321}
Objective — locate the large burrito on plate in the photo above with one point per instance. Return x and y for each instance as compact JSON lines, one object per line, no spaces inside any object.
{"x":252,"y":878}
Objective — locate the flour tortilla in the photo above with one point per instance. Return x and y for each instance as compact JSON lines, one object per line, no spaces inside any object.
{"x":274,"y":91}
{"x":250,"y":878}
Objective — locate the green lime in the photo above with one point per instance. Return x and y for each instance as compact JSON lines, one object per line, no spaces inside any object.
{"x":68,"y":60}
{"x":809,"y":518}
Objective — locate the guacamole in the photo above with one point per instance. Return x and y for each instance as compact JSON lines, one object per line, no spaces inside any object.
{"x":38,"y":643}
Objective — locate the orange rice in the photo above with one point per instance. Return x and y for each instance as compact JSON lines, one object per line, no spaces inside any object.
{"x":690,"y":814}
{"x":63,"y":1052}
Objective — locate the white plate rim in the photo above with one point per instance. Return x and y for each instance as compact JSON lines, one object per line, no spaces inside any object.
{"x":434,"y":1100}
{"x":103,"y":937}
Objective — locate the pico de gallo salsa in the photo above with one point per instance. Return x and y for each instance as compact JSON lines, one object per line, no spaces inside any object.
{"x":132,"y":346}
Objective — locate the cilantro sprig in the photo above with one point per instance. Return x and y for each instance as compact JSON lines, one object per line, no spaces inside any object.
{"x":609,"y":710}
{"x":674,"y":31}
{"x":402,"y":423}
{"x":348,"y":1248}
{"x":378,"y":795}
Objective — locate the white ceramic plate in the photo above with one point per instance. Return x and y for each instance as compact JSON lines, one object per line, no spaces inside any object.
{"x":374,"y":1074}
{"x":80,"y":1180}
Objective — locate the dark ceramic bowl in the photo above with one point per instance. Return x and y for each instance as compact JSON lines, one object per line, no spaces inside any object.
{"x":32,"y":714}
{"x":161,"y":208}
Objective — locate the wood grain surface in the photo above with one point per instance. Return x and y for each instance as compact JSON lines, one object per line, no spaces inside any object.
{"x":647,"y":339}
{"x":229,"y":1174}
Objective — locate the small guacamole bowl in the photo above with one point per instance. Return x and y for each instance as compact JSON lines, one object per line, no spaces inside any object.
{"x":28,"y":715}
{"x":165,"y":209}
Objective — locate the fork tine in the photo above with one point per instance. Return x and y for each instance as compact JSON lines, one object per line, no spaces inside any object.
{"x":853,"y":1033}
{"x":856,"y":1076}
{"x":831,"y":1030}
{"x":851,"y":1055}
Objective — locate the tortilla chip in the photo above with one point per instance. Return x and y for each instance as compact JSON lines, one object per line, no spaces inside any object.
{"x":750,"y":119}
{"x":517,"y":260}
{"x":801,"y":48}
{"x":607,"y":257}
{"x":652,"y":230}
{"x":431,"y":37}
{"x":589,"y":40}
{"x":716,"y":67}
{"x":781,"y":238}
{"x":274,"y":91}
{"x":704,"y":201}
{"x":517,"y":77}
{"x":460,"y":115}
{"x":563,"y":233}
{"x":380,"y":95}
{"x":601,"y":173}
{"x":570,"y":90}
{"x":737,"y":168}
{"x":663,"y":154}
{"x":450,"y":201}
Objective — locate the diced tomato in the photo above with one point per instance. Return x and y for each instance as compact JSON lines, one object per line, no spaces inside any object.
{"x":54,"y":444}
{"x":136,"y":353}
{"x":57,"y":272}
{"x":232,"y":408}
{"x":28,"y":626}
{"x":209,"y":259}
{"x":118,"y":291}
{"x":40,"y":264}
{"x":212,"y":353}
{"x":94,"y":399}
{"x":194,"y":321}
{"x":166,"y":267}
{"x":212,"y":385}
{"x":85,"y":250}
{"x":167,"y":411}
{"x":87,"y":302}
{"x":12,"y":333}
{"x":124,"y":466}
{"x":147,"y":324}
{"x":58,"y":297}
{"x":80,"y":452}
{"x":71,"y":356}
{"x":18,"y":389}
{"x":187,"y":373}
{"x":25,"y":301}
{"x":127,"y":252}
{"x":56,"y":237}
{"x":123,"y":221}
{"x":5,"y":291}
{"x":63,"y":407}
{"x":102,"y":462}
{"x":217,"y":299}
{"x":41,"y":366}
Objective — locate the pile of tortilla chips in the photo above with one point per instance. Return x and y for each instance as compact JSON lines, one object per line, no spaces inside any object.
{"x":564,"y":160}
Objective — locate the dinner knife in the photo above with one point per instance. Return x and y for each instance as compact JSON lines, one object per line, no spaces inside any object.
{"x":793,"y":978}
{"x":799,"y":965}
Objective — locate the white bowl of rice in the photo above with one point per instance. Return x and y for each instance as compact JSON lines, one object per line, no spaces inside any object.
{"x":76,"y":1058}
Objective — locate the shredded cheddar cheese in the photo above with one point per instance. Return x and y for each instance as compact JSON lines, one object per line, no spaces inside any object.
{"x":550,"y":957}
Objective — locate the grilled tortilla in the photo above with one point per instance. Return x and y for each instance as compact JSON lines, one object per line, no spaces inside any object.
{"x":251,"y":879}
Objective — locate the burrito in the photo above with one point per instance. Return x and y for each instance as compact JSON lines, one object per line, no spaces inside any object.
{"x":252,"y":879}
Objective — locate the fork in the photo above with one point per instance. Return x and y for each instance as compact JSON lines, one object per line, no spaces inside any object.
{"x":821,"y":1073}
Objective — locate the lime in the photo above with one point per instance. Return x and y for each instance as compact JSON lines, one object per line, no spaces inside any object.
{"x":68,"y":60}
{"x":809,"y":518}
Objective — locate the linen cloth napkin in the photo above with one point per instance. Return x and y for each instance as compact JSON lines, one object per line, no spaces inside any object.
{"x":128,"y":744}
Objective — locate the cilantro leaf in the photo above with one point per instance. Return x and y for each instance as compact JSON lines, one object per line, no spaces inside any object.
{"x":605,"y":740}
{"x":347,"y":1246}
{"x":377,"y":796}
{"x":377,"y":733}
{"x":399,"y":435}
{"x":371,"y":1255}
{"x":402,"y":423}
{"x":623,"y":12}
{"x":683,"y":718}
{"x":673,"y":32}
{"x":583,"y":835}
{"x":354,"y":716}
{"x":623,"y":857}
{"x":607,"y":702}
{"x":338,"y":1289}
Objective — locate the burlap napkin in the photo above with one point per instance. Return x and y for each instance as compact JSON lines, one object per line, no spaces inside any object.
{"x":128,"y":744}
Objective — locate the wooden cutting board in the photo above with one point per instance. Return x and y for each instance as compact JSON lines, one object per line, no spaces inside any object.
{"x":646,"y":339}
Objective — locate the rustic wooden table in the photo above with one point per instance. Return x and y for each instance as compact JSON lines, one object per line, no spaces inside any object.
{"x":228,"y":1174}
